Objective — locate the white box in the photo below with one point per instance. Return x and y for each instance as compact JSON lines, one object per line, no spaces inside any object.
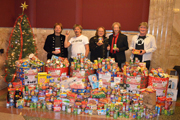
{"x":173,"y":82}
{"x":172,"y":93}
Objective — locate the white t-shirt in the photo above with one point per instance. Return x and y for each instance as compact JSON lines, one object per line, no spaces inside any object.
{"x":78,"y":45}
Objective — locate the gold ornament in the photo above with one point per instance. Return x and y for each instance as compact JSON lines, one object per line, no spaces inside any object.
{"x":24,"y":6}
{"x":12,"y":54}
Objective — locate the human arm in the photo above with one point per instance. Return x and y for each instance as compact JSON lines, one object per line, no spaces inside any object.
{"x":153,"y":45}
{"x":66,"y":42}
{"x":132,"y":46}
{"x":92,"y":44}
{"x":47,"y":47}
{"x":87,"y":50}
{"x":125,"y":45}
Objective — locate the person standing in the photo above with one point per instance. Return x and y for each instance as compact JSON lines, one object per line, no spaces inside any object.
{"x":143,"y":45}
{"x":54,"y":44}
{"x":99,"y":44}
{"x":118,"y":44}
{"x":80,"y":43}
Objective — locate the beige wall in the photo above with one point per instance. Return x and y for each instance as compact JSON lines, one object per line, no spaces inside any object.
{"x":164,"y":24}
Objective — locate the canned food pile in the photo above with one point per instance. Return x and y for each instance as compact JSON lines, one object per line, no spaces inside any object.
{"x":57,"y":62}
{"x":30,"y":62}
{"x":113,"y":99}
{"x":105,"y":65}
{"x":119,"y":103}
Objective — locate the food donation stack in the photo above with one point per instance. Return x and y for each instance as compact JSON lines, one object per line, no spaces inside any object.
{"x":95,"y":88}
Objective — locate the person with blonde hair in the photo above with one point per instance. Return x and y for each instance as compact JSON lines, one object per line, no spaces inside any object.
{"x":99,"y":44}
{"x":54,"y":44}
{"x":143,"y":45}
{"x":118,"y":44}
{"x":80,"y":43}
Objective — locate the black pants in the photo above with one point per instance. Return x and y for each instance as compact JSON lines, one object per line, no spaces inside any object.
{"x":148,"y":62}
{"x":70,"y":60}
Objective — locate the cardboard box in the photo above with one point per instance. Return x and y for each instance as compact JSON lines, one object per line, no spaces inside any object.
{"x":42,"y":77}
{"x":149,"y":99}
{"x":106,"y":78}
{"x":173,"y":82}
{"x":171,"y":72}
{"x":30,"y":76}
{"x":172,"y":93}
{"x":94,"y":81}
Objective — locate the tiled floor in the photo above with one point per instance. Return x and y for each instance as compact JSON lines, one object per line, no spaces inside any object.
{"x":40,"y":114}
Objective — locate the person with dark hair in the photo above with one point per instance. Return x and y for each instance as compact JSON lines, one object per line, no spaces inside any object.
{"x":118,"y":44}
{"x":54,"y":44}
{"x":99,"y":44}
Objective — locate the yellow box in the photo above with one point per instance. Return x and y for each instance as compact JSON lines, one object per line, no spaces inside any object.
{"x":42,"y":78}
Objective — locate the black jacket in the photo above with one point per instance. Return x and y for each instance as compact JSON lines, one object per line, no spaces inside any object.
{"x":122,"y":44}
{"x":98,"y":51}
{"x":49,"y":46}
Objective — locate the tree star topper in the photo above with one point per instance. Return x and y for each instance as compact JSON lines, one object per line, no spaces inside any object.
{"x":24,"y":6}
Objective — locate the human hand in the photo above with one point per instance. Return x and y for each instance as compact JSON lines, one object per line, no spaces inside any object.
{"x":67,"y":34}
{"x":56,"y":51}
{"x":116,"y":49}
{"x":99,"y":44}
{"x":142,"y":52}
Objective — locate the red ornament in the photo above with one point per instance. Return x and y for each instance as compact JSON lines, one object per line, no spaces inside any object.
{"x":12,"y":46}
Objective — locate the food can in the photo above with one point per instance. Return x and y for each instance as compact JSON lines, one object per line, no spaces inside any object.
{"x":31,"y":104}
{"x":168,"y":103}
{"x":90,"y":112}
{"x":108,"y":113}
{"x":43,"y":105}
{"x":79,"y":111}
{"x":49,"y":106}
{"x":86,"y":112}
{"x":111,"y":113}
{"x":34,"y":105}
{"x":115,"y":115}
{"x":139,"y":115}
{"x":134,"y":115}
{"x":63,"y":108}
{"x":39,"y":105}
{"x":120,"y":114}
{"x":75,"y":111}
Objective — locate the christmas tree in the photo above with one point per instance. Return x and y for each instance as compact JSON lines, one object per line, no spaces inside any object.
{"x":21,"y":44}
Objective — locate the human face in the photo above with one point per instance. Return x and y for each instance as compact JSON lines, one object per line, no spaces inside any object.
{"x":143,"y":30}
{"x":77,"y":31}
{"x":57,"y":29}
{"x":100,"y":32}
{"x":116,"y":29}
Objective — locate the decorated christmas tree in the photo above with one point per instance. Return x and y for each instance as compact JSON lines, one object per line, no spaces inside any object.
{"x":21,"y":44}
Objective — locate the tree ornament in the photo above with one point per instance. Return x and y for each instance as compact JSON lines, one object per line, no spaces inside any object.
{"x":12,"y":54}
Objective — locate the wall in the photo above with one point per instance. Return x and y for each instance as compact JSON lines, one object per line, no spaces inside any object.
{"x":164,"y":22}
{"x":44,"y":13}
{"x":164,"y":25}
